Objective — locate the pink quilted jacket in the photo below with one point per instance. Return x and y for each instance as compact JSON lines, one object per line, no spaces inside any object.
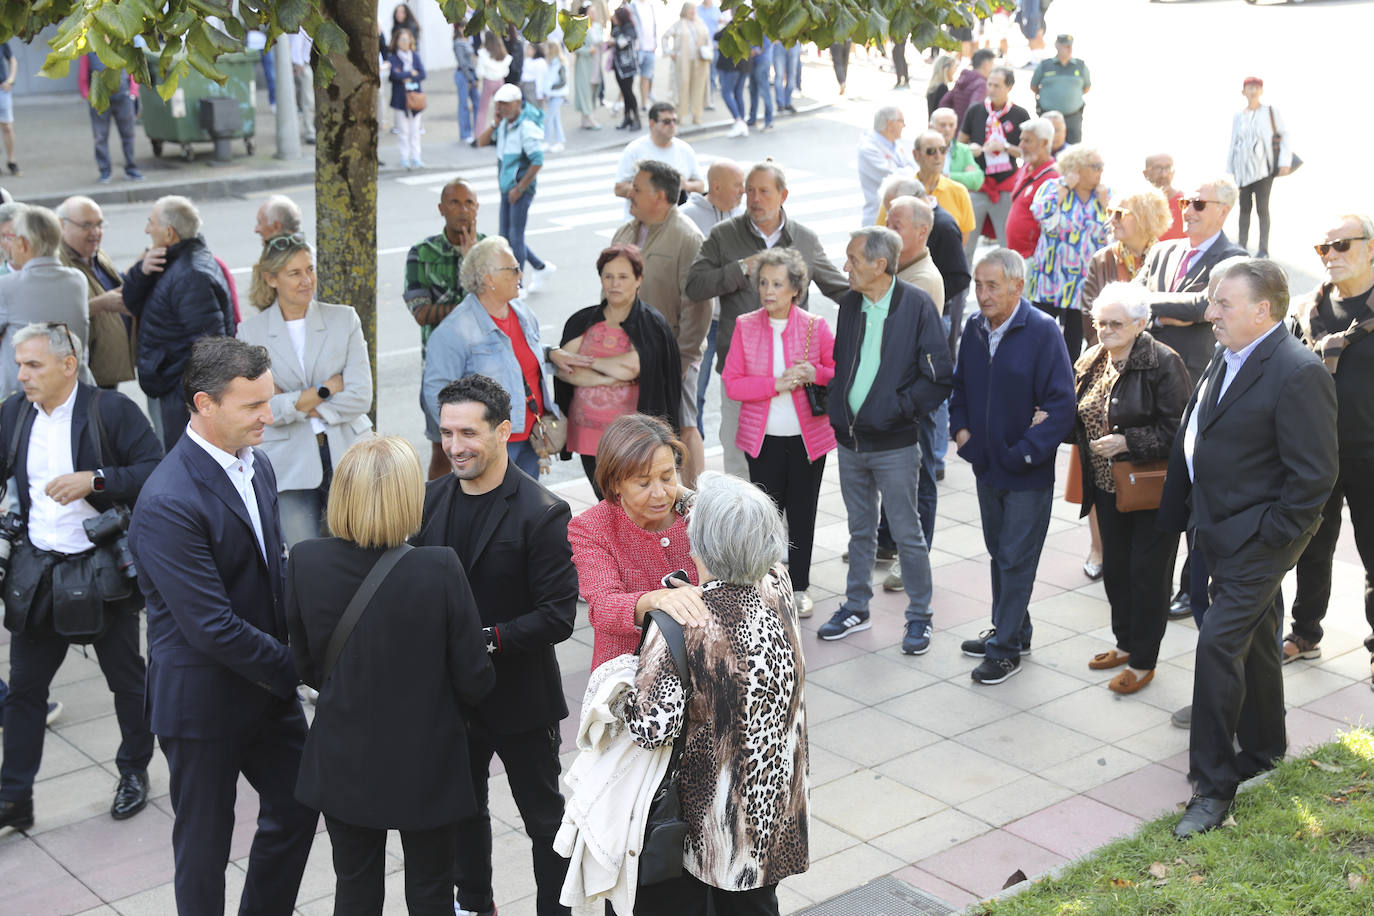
{"x":749,"y":378}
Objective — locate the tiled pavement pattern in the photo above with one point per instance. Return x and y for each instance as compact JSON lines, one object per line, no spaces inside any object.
{"x":915,"y":771}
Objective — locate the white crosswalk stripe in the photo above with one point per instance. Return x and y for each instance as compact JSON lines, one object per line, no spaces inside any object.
{"x":574,"y":194}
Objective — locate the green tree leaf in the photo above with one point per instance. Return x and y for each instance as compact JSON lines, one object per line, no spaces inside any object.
{"x":574,"y":29}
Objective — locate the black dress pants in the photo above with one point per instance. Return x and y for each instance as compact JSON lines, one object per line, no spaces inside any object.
{"x":360,"y":868}
{"x":1354,"y":487}
{"x":1256,"y":194}
{"x":532,"y":769}
{"x":1137,"y":563}
{"x":204,"y":778}
{"x":35,"y":657}
{"x":793,"y":481}
{"x":1238,"y":677}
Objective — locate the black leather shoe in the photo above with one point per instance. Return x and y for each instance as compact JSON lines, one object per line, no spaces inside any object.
{"x":1181,"y":607}
{"x":16,"y":814}
{"x":1203,"y":814}
{"x":131,"y":795}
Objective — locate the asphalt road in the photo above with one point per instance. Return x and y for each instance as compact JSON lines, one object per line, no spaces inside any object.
{"x":1166,"y":77}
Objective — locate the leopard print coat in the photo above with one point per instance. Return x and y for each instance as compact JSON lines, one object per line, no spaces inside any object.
{"x":743,"y":779}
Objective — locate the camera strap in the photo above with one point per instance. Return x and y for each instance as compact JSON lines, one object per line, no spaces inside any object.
{"x":12,"y":455}
{"x":99,"y":426}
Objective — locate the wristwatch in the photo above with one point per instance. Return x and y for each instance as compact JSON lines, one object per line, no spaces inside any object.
{"x":324,"y":392}
{"x":98,"y":480}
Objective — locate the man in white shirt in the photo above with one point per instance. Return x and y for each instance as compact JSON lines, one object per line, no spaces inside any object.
{"x":646,"y":26}
{"x":661,"y":144}
{"x":304,"y":78}
{"x":881,"y":155}
{"x":79,"y":457}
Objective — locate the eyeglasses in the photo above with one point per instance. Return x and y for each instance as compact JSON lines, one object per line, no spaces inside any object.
{"x":54,"y":325}
{"x":667,"y":120}
{"x":285,"y":242}
{"x":1095,"y":166}
{"x":1197,"y":203}
{"x":1341,"y":245}
{"x":87,"y":225}
{"x":935,"y":150}
{"x":514,"y":267}
{"x":1118,"y":213}
{"x":1109,"y":325}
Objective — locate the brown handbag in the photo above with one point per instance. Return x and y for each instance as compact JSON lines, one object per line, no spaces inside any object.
{"x":1139,"y":484}
{"x":415,"y":101}
{"x":1073,"y":481}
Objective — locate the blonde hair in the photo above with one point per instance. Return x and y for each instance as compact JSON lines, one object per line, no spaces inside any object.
{"x":1150,"y":208}
{"x":378,"y":493}
{"x":276,"y":253}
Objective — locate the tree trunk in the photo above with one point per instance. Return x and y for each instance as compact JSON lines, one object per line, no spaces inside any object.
{"x":346,"y":171}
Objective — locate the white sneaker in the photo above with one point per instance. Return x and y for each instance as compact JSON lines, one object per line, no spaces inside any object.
{"x":737,"y":129}
{"x":804,"y":604}
{"x":537,"y":278}
{"x":743,"y":129}
{"x":556,"y":148}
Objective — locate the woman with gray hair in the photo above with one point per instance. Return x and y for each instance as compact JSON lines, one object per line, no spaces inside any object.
{"x":780,"y":361}
{"x":1131,"y":393}
{"x":1072,"y":212}
{"x":743,"y":773}
{"x":492,"y":333}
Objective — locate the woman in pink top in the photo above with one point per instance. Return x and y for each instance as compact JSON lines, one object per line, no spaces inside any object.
{"x":625,"y":545}
{"x":775,"y":353}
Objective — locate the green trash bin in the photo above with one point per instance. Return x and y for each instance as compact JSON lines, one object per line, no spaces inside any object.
{"x":178,"y":119}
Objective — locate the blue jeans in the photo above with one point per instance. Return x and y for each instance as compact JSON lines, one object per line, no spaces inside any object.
{"x":122,"y":111}
{"x":523,"y":456}
{"x":759,"y":76}
{"x":553,"y":121}
{"x":469,"y":97}
{"x":732,"y":91}
{"x":787,"y":72}
{"x":940,"y":444}
{"x":512,"y":222}
{"x":303,"y":511}
{"x":1014,"y":526}
{"x":927,"y":493}
{"x":269,"y":73}
{"x":891,"y":474}
{"x":708,"y":362}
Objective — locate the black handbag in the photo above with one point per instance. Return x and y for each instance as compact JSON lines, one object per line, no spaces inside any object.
{"x":1295,"y":163}
{"x":665,"y":836}
{"x":817,"y":397}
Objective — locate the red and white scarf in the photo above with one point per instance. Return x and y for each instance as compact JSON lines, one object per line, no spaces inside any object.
{"x":995,"y":163}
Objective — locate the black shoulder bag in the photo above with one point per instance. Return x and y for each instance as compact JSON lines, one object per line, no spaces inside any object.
{"x":665,"y":836}
{"x":361,"y":599}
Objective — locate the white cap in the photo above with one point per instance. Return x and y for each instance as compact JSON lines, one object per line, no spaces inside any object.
{"x":509,"y":93}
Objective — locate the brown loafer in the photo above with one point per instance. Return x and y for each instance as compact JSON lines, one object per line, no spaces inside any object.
{"x":1127,"y":682}
{"x":1295,"y":647}
{"x":1113,"y":659}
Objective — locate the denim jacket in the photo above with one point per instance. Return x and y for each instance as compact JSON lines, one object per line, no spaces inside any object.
{"x":468,"y":341}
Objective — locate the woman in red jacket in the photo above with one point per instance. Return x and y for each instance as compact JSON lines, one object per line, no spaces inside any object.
{"x":777,"y":352}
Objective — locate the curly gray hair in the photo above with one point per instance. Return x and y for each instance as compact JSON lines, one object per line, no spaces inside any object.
{"x":480,"y":263}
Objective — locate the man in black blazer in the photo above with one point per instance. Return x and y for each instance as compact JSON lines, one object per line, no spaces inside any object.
{"x":221,"y":681}
{"x":1251,"y":468}
{"x":69,"y":464}
{"x":511,"y":535}
{"x":1176,"y":273}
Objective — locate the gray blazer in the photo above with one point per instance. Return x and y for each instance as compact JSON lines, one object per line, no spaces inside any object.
{"x":333,"y":344}
{"x":43,"y":290}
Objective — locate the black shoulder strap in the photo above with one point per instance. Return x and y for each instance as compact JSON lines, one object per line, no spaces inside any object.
{"x":677,"y":646}
{"x":361,"y":598}
{"x":98,"y":428}
{"x":21,"y":422}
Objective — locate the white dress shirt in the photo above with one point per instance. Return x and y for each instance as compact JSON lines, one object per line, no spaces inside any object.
{"x":1233,"y":361}
{"x":239,"y":469}
{"x":53,"y":526}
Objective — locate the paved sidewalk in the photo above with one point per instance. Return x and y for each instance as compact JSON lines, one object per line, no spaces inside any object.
{"x":915,"y":771}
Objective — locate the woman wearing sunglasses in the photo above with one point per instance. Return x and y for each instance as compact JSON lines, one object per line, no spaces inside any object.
{"x":1251,"y":160}
{"x":323,"y":383}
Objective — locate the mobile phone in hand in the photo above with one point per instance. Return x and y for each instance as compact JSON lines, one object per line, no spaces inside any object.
{"x":680,"y":575}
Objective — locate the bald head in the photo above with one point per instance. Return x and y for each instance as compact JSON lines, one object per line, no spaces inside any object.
{"x":725,"y":184}
{"x":911,"y":218}
{"x":1159,"y":170}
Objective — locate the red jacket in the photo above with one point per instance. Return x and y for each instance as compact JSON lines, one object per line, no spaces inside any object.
{"x":83,"y":79}
{"x":1023,"y":230}
{"x":748,"y":376}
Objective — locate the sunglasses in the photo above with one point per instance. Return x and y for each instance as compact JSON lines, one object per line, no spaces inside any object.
{"x":54,"y":325}
{"x":1341,"y":245}
{"x":1109,"y":325}
{"x":934,"y":150}
{"x":1197,"y":203}
{"x":285,"y":242}
{"x":1118,"y":213}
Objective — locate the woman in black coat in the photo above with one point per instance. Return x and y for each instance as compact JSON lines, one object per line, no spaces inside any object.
{"x":387,"y":749}
{"x":1132,"y":390}
{"x":615,"y":358}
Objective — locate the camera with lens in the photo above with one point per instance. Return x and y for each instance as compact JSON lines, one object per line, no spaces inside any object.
{"x":11,"y":529}
{"x":109,"y":532}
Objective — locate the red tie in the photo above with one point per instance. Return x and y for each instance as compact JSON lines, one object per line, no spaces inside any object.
{"x":1183,"y":267}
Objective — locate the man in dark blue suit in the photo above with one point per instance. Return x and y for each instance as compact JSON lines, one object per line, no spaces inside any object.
{"x":221,"y":681}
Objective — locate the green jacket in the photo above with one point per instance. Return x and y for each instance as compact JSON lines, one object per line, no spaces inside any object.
{"x":963,"y":169}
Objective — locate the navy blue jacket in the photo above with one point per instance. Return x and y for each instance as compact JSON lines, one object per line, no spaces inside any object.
{"x":995,"y":397}
{"x":399,"y":78}
{"x":218,"y":661}
{"x":186,"y":300}
{"x":913,"y":371}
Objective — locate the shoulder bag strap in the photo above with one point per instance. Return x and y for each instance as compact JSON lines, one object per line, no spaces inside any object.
{"x":21,"y":423}
{"x":98,"y":428}
{"x":677,"y":646}
{"x":361,"y":598}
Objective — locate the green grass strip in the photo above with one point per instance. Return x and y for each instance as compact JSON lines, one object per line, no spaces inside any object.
{"x":1302,"y":842}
